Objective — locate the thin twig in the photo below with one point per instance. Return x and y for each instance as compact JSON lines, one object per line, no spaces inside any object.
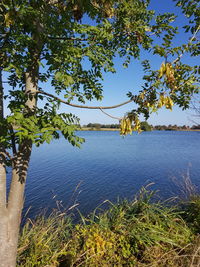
{"x":190,"y":41}
{"x":70,"y":38}
{"x":110,"y":115}
{"x":195,"y":256}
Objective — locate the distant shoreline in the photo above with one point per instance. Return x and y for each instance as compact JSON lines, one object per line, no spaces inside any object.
{"x":100,"y":129}
{"x":117,"y":129}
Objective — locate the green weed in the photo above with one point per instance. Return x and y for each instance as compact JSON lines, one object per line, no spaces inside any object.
{"x":137,"y":233}
{"x":44,"y":241}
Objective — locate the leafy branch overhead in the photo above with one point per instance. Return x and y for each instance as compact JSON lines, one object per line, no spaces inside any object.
{"x":58,"y":51}
{"x":71,"y":44}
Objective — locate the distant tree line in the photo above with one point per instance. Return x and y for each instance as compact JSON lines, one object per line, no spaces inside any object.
{"x":196,"y":127}
{"x":145,"y":126}
{"x":175,"y":127}
{"x":100,"y":126}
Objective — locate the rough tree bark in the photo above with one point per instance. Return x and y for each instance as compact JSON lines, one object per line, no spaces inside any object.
{"x":10,"y":211}
{"x":11,"y":208}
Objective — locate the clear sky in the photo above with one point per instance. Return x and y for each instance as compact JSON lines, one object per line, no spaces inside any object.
{"x":117,"y":85}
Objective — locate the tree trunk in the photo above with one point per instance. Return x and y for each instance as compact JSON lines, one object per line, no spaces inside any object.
{"x":3,"y":214}
{"x":7,"y":242}
{"x":10,"y":211}
{"x":4,"y":244}
{"x":9,"y":228}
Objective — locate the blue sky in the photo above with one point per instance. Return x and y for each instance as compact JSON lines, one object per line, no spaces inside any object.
{"x":117,"y":85}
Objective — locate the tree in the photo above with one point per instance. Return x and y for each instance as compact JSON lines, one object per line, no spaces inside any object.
{"x":69,"y":44}
{"x":145,"y":126}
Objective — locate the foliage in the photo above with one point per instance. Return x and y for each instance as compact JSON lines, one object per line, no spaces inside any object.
{"x":44,"y":240}
{"x":138,"y":233}
{"x":170,"y":127}
{"x":145,"y":126}
{"x":191,"y":213}
{"x":94,"y":125}
{"x":126,"y":124}
{"x":55,"y":50}
{"x":196,"y":127}
{"x":71,"y":44}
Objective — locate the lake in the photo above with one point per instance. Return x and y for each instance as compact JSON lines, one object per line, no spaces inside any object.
{"x":109,"y":166}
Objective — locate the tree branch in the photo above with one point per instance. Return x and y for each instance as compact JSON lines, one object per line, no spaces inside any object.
{"x":128,"y":34}
{"x":116,"y":118}
{"x":190,"y":41}
{"x":82,"y":106}
{"x":14,"y":150}
{"x":5,"y":36}
{"x":1,"y":95}
{"x":70,"y":38}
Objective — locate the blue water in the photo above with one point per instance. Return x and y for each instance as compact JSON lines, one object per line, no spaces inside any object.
{"x":108,"y":166}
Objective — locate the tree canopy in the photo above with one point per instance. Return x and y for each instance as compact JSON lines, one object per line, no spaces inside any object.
{"x":70,"y":44}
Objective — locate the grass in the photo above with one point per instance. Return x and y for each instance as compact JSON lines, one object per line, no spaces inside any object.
{"x":137,"y":233}
{"x":45,"y":240}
